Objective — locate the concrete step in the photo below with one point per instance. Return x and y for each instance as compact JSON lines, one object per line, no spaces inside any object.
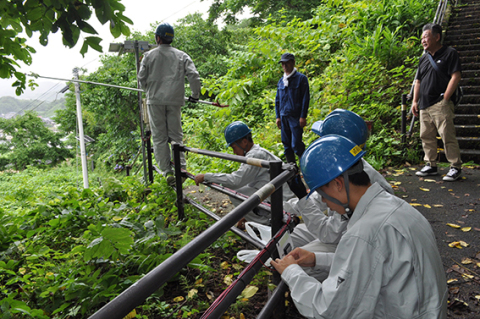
{"x":467,"y":130}
{"x":470,"y":86}
{"x":471,"y":99}
{"x":466,"y":154}
{"x":458,"y":30}
{"x":470,"y":39}
{"x":466,"y":108}
{"x":469,"y":58}
{"x":467,"y":119}
{"x":469,"y":53}
{"x":466,"y":47}
{"x":470,"y":66}
{"x":464,"y":27}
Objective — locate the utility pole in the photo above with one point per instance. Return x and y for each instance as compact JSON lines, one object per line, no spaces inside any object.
{"x":80,"y":130}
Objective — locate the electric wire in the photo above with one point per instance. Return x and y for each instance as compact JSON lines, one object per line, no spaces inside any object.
{"x":36,"y":100}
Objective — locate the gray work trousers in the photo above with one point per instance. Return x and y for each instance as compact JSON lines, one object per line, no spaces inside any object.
{"x":303,"y":238}
{"x":166,"y":126}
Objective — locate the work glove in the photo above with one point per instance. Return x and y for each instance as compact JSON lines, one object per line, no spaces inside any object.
{"x":192,"y":99}
{"x":297,"y":187}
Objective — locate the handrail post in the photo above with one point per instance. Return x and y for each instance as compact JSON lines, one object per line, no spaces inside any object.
{"x":278,"y":295}
{"x":148,"y":136}
{"x":404,"y":118}
{"x":277,"y":221}
{"x":177,"y":148}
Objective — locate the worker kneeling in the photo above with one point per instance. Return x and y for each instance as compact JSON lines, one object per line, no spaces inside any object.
{"x":247,"y":179}
{"x":386,"y":265}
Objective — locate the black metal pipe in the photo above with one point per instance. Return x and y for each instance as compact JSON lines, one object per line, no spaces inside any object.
{"x":239,"y":286}
{"x":404,"y":118}
{"x":276,"y":198}
{"x":235,"y":158}
{"x":234,"y":229}
{"x":223,"y":302}
{"x":412,"y":123}
{"x":149,"y":155}
{"x":277,"y":222}
{"x":278,"y":295}
{"x":136,"y":294}
{"x":178,"y":180}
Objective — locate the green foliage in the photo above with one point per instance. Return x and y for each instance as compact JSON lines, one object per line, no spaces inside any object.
{"x":47,"y":17}
{"x":261,"y":10}
{"x":204,"y":42}
{"x":31,"y":143}
{"x":357,"y":55}
{"x":64,"y":252}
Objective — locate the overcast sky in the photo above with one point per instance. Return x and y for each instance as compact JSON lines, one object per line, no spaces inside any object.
{"x":56,"y":60}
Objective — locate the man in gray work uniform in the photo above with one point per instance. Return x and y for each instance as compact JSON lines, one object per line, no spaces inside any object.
{"x":162,"y":76}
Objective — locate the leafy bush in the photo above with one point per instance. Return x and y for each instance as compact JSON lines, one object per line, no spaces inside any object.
{"x":64,"y":252}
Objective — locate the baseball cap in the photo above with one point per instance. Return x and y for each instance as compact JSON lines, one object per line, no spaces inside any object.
{"x":287,"y":57}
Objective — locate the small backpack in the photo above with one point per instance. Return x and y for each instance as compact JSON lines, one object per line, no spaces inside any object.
{"x":457,"y":96}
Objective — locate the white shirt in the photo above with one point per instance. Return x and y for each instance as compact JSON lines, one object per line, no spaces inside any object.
{"x":162,"y":76}
{"x":386,"y":265}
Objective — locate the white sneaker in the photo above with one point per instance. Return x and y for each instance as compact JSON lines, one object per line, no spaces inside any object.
{"x":453,"y":174}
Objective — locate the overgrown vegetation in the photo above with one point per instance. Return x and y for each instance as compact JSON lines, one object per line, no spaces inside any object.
{"x":64,"y":251}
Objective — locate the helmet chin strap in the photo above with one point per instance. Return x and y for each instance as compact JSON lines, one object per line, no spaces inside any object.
{"x":357,"y":168}
{"x":348,"y":211}
{"x":244,"y":151}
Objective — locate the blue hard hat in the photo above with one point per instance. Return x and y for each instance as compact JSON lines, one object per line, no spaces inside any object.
{"x":344,"y":123}
{"x":327,"y":158}
{"x":235,"y":131}
{"x":165,"y":30}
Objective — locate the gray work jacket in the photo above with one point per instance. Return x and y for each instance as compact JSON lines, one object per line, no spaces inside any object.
{"x":162,"y":76}
{"x":386,"y":265}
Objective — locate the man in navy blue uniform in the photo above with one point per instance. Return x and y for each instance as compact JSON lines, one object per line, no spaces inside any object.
{"x":291,"y":107}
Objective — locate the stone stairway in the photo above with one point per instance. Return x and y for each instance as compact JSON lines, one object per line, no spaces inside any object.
{"x":463,"y":33}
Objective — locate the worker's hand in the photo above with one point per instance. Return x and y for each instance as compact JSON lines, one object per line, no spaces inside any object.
{"x":303,"y":122}
{"x":281,"y":264}
{"x":199,"y":179}
{"x":279,"y":123}
{"x":414,"y":108}
{"x":303,"y":257}
{"x":192,"y":99}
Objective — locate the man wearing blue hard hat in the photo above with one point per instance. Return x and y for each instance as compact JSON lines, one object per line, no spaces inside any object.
{"x":162,"y":77}
{"x":323,"y":228}
{"x":247,"y":179}
{"x":291,"y":107}
{"x":386,"y":264}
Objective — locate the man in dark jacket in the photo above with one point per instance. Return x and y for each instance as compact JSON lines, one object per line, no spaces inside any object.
{"x":291,"y":107}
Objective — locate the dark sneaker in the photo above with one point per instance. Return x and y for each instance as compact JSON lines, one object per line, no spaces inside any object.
{"x":453,"y":174}
{"x":427,"y":170}
{"x":170,"y":179}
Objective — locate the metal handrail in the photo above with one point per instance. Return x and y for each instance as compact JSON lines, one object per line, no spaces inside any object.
{"x":137,"y":293}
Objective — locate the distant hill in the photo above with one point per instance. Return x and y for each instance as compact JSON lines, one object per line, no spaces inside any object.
{"x":10,"y":104}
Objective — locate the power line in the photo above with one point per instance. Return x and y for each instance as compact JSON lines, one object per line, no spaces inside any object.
{"x":188,"y":5}
{"x":37,"y":99}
